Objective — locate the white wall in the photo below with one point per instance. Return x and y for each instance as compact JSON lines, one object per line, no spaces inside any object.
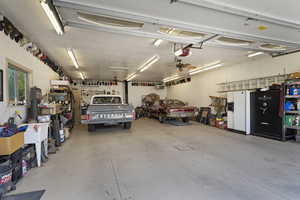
{"x":119,"y":89}
{"x":39,"y":73}
{"x":204,"y":84}
{"x":136,"y":93}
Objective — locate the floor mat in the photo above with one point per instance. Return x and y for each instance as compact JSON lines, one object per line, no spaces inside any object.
{"x":37,"y":195}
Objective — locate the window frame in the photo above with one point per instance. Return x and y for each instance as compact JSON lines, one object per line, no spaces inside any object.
{"x":17,"y":70}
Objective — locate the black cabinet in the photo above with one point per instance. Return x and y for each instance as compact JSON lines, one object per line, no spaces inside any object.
{"x":267,"y":119}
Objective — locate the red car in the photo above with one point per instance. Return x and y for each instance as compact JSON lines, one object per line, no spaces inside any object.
{"x":172,"y":109}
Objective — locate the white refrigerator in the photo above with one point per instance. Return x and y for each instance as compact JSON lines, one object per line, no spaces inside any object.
{"x":238,"y":111}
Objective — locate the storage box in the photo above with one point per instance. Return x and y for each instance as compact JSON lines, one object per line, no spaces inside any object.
{"x":52,"y":109}
{"x":9,"y":145}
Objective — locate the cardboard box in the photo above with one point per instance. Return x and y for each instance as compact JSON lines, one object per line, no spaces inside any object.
{"x":52,"y":109}
{"x":9,"y":145}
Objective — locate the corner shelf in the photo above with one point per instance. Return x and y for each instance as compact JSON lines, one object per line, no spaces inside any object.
{"x":290,"y":132}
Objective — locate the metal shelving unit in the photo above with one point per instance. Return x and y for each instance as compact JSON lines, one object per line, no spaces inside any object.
{"x":290,"y":131}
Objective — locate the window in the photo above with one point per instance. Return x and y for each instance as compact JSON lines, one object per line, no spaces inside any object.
{"x":17,"y":85}
{"x":107,"y":100}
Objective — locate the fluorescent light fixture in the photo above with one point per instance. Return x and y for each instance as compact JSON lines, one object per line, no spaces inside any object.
{"x":206,"y":65}
{"x":132,"y":76}
{"x":81,"y":75}
{"x":157,"y":42}
{"x":53,"y":19}
{"x":205,"y":69}
{"x":73,"y":58}
{"x":148,"y":63}
{"x":171,"y":78}
{"x":255,"y":54}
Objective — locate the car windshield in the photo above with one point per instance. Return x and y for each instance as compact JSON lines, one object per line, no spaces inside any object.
{"x":107,"y":100}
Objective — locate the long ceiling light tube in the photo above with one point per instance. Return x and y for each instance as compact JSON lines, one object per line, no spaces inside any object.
{"x":205,"y":69}
{"x":131,"y":77}
{"x":73,"y":58}
{"x":149,"y":63}
{"x":207,"y":65}
{"x":255,"y":54}
{"x":52,"y":17}
{"x":171,"y":78}
{"x":81,"y":75}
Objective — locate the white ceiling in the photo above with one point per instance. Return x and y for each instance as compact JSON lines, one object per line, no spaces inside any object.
{"x":97,"y":51}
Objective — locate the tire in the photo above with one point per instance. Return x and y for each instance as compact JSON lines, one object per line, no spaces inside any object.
{"x":91,"y":127}
{"x":127,"y":125}
{"x":185,"y":119}
{"x":161,"y":118}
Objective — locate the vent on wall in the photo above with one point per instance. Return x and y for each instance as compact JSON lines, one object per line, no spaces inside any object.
{"x":108,"y":21}
{"x":233,"y":41}
{"x":180,"y":33}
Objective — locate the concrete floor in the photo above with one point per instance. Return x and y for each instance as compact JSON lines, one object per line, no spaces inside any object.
{"x":156,"y":161}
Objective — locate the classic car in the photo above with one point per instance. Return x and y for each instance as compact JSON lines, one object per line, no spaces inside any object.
{"x":172,"y":109}
{"x":108,"y":109}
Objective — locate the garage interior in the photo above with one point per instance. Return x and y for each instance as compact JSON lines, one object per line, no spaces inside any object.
{"x":138,"y":100}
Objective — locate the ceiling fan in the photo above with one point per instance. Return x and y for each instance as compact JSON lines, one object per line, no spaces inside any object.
{"x":182,"y":67}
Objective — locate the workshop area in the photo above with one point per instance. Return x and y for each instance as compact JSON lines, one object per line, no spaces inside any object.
{"x":143,"y":100}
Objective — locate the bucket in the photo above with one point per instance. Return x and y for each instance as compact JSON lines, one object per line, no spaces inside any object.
{"x":62,"y":136}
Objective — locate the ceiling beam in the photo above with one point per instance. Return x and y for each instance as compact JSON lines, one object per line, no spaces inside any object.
{"x":137,"y":33}
{"x":123,"y":14}
{"x":226,"y":8}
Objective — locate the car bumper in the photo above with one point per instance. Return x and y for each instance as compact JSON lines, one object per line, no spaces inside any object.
{"x":108,"y":121}
{"x":181,"y":115}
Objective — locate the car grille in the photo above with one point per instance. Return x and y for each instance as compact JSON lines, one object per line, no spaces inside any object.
{"x":111,"y":116}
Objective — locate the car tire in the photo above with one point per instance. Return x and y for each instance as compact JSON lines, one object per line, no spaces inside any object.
{"x":91,"y":127}
{"x":127,"y":125}
{"x":185,"y":119}
{"x":161,"y":118}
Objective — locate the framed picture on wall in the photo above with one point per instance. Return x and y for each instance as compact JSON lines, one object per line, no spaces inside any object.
{"x":1,"y":85}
